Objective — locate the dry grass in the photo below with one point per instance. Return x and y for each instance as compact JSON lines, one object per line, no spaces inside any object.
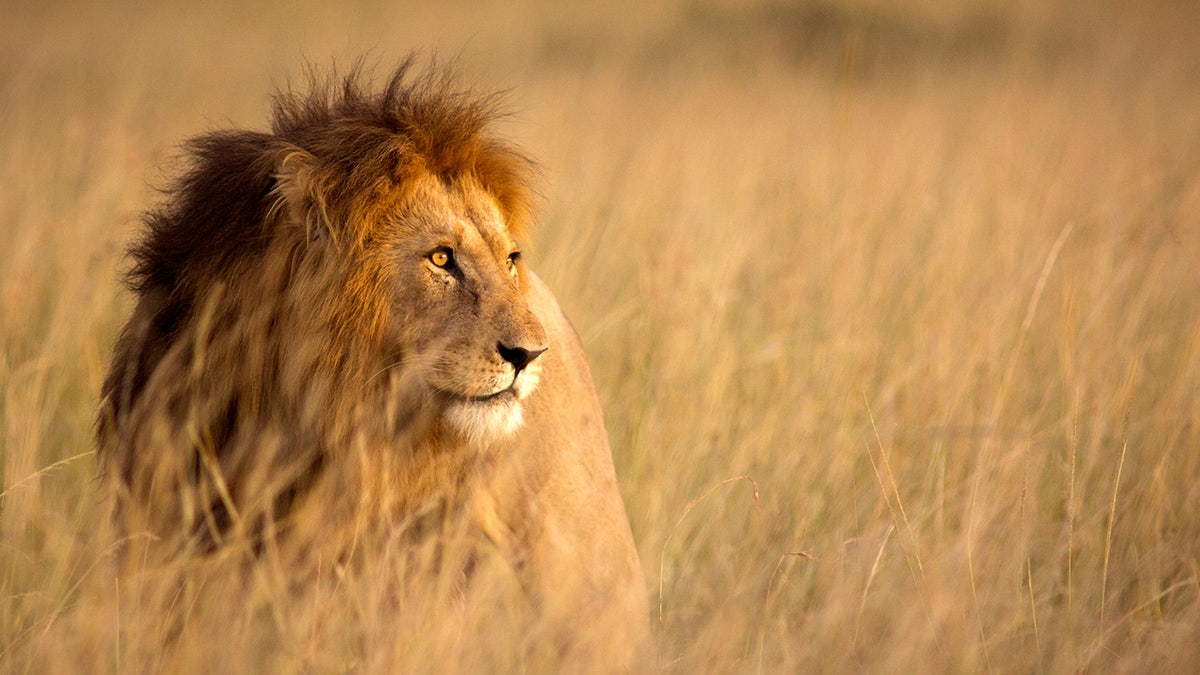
{"x":927,"y":276}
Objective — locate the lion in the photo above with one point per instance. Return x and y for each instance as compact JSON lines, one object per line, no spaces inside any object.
{"x":335,"y":317}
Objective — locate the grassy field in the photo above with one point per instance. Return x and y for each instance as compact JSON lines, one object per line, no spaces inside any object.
{"x":894,"y":309}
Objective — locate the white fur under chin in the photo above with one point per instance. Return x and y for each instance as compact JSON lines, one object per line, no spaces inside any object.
{"x":483,"y":422}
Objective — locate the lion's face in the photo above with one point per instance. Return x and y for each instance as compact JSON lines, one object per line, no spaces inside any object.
{"x":460,"y":318}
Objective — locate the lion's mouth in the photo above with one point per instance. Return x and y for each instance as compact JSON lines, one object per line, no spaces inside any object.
{"x":503,"y":396}
{"x":504,"y":400}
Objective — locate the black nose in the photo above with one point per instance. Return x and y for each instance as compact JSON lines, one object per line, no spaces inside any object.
{"x":519,"y":357}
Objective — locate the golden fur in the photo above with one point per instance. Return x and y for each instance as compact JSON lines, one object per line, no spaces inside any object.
{"x":336,"y":313}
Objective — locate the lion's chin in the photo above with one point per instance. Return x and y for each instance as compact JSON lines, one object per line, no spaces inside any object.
{"x":482,"y":421}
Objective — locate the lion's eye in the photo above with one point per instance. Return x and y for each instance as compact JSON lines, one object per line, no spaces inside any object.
{"x":512,"y":262}
{"x":441,"y":258}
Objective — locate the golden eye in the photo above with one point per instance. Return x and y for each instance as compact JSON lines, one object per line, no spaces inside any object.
{"x":440,"y":258}
{"x":512,"y":262}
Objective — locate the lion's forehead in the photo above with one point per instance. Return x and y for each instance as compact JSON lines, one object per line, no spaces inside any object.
{"x":467,"y":212}
{"x":475,"y":231}
{"x":481,"y":211}
{"x":455,"y":201}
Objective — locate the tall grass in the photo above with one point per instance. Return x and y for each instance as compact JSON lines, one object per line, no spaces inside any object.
{"x":927,"y":277}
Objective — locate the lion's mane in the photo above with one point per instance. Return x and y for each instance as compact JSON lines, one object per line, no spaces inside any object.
{"x":255,"y":360}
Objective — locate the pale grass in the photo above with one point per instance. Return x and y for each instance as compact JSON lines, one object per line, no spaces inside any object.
{"x":997,"y":410}
{"x":1112,"y":516}
{"x":862,"y":601}
{"x":41,"y":473}
{"x":960,"y":235}
{"x":662,"y":558}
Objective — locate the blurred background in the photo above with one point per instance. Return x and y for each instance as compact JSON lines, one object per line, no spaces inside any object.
{"x":892,"y":306}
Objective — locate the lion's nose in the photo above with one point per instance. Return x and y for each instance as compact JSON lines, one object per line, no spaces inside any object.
{"x":519,"y":357}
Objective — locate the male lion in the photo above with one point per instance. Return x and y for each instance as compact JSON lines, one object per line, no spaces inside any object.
{"x":334,"y":319}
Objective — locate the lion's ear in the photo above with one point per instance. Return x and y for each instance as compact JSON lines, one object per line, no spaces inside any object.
{"x":299,"y":194}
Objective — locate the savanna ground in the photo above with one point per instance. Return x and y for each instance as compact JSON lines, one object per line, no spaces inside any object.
{"x":894,"y":309}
